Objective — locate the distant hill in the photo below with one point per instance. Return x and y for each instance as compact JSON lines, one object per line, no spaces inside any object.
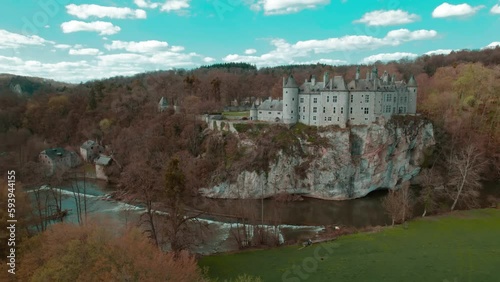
{"x":27,"y":86}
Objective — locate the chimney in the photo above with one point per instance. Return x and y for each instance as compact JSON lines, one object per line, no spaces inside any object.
{"x":313,"y":80}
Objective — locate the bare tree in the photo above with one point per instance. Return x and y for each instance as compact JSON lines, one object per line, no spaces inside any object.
{"x":432,"y":184}
{"x":465,"y":176}
{"x":398,"y":203}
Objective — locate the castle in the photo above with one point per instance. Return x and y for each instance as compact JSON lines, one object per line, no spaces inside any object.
{"x":333,"y":102}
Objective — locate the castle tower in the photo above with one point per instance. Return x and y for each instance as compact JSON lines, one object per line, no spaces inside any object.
{"x":374,"y":73}
{"x":290,"y":101}
{"x":253,"y":113}
{"x":412,"y":97}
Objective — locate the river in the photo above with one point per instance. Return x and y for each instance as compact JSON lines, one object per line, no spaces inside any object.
{"x":296,"y":219}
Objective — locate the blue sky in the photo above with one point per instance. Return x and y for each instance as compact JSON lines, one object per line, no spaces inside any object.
{"x":81,"y":40}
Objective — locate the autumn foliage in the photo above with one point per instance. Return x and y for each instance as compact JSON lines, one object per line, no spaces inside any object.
{"x":72,"y":253}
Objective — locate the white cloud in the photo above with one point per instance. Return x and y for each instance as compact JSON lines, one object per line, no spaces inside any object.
{"x":492,"y":45}
{"x":387,"y":18}
{"x":148,"y":46}
{"x":287,"y":53}
{"x":177,"y":48}
{"x":103,"y":28}
{"x":146,"y":4}
{"x":446,"y":10}
{"x":208,"y":60}
{"x":174,"y":5}
{"x":250,"y":51}
{"x":15,"y":40}
{"x":277,"y":7}
{"x":323,"y":61}
{"x":85,"y":52}
{"x":86,"y":11}
{"x":439,"y":52}
{"x":384,"y":57}
{"x":62,"y":46}
{"x":167,"y":5}
{"x":495,"y":9}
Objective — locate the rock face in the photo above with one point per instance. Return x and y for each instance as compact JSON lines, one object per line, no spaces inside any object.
{"x":356,"y":161}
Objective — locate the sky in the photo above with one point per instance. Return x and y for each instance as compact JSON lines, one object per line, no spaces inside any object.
{"x":75,"y":41}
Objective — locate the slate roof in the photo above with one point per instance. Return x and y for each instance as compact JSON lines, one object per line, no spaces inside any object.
{"x":103,"y":160}
{"x":271,"y":105}
{"x":290,"y":82}
{"x":55,"y":153}
{"x":87,"y":145}
{"x":412,"y":82}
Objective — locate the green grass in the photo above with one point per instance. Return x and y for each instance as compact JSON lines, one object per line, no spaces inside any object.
{"x":462,"y":246}
{"x":237,"y":114}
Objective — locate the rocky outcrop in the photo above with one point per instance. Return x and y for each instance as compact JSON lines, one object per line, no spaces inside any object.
{"x":355,"y":162}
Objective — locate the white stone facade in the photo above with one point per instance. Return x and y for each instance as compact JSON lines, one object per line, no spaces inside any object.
{"x":335,"y":102}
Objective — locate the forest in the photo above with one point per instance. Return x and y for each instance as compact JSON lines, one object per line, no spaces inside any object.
{"x":459,"y":93}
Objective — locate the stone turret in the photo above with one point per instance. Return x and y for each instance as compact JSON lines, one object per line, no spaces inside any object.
{"x":290,"y":101}
{"x":412,"y":96}
{"x":374,"y":73}
{"x":253,"y":112}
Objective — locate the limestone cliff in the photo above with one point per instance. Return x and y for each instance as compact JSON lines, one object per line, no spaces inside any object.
{"x":350,"y":164}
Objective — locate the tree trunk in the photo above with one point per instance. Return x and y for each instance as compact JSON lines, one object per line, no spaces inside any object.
{"x":425,"y":212}
{"x":459,"y":192}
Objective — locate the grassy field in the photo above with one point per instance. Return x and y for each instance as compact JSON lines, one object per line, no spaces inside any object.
{"x":237,"y":114}
{"x":461,"y":246}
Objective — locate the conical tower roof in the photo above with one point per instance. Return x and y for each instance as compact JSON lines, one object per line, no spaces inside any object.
{"x":291,"y":83}
{"x":412,"y":82}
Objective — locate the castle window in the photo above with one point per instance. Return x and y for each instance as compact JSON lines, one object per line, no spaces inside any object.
{"x":325,"y":118}
{"x":260,"y":112}
{"x":324,"y":110}
{"x":328,"y":99}
{"x":287,"y":92}
{"x":314,"y":117}
{"x":269,"y":112}
{"x":299,"y":109}
{"x":303,"y":109}
{"x":315,"y":100}
{"x":388,"y":98}
{"x":293,"y":99}
{"x":414,"y":90}
{"x":334,"y":109}
{"x":303,"y":117}
{"x":395,"y":99}
{"x":338,"y":119}
{"x":292,"y":112}
{"x":334,"y":99}
{"x":302,"y":100}
{"x":388,"y":108}
{"x":366,"y":111}
{"x":405,"y":99}
{"x":341,"y":110}
{"x":279,"y":113}
{"x":367,"y":98}
{"x":352,"y":98}
{"x":329,"y":118}
{"x":315,"y":110}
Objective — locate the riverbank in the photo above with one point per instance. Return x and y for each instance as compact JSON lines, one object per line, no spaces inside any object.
{"x":459,"y":246}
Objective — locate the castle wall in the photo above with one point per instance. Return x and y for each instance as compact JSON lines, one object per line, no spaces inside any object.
{"x":341,"y":107}
{"x":270,"y":115}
